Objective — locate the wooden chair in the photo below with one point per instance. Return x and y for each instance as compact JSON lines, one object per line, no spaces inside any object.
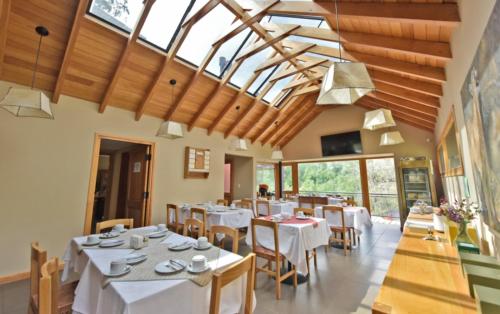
{"x":221,"y":278}
{"x":50,"y":301}
{"x":271,"y":256}
{"x":233,"y":233}
{"x":263,"y":205}
{"x":350,"y":202}
{"x":64,"y":294}
{"x":107,"y":224}
{"x":341,"y":229}
{"x":310,"y":213}
{"x":320,"y":200}
{"x":222,"y":202}
{"x":174,"y":225}
{"x":248,"y":204}
{"x":201,"y":214}
{"x":193,"y":226}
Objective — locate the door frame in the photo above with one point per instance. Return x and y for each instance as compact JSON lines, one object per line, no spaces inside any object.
{"x":89,"y":208}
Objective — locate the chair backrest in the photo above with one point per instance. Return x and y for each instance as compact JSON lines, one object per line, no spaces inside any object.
{"x":233,"y":233}
{"x":172,"y":212}
{"x":38,"y":258}
{"x":107,"y":224}
{"x":335,"y":210}
{"x":320,"y":200}
{"x":263,"y":205}
{"x":222,"y":202}
{"x":266,"y":224}
{"x":192,"y":224}
{"x":306,"y":202}
{"x":228,"y":275}
{"x":199,"y":213}
{"x":350,"y":202}
{"x":306,"y":211}
{"x":248,"y":204}
{"x":49,"y":287}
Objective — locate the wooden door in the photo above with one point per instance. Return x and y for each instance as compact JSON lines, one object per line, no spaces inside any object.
{"x":137,"y":192}
{"x":228,"y":181}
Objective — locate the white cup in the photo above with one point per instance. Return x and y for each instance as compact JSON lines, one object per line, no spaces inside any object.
{"x":119,"y":227}
{"x":117,"y":266}
{"x":199,"y":262}
{"x":285,"y":215}
{"x":92,"y":238}
{"x":202,"y":242}
{"x":233,"y":206}
{"x":161,"y":227}
{"x":300,"y":214}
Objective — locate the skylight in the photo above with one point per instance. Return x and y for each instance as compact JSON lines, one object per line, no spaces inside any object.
{"x":303,"y":21}
{"x":261,"y":80}
{"x":277,"y":88}
{"x":204,"y":33}
{"x":122,"y":14}
{"x":246,"y":70}
{"x":222,"y":60}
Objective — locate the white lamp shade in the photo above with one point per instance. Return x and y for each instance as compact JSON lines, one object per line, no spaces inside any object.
{"x":277,"y":155}
{"x":170,"y":130}
{"x":344,"y":83}
{"x":391,"y":138}
{"x":378,"y":119}
{"x":239,"y":144}
{"x":23,"y":102}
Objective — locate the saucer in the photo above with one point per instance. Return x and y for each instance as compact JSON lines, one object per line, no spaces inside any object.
{"x":122,"y":231}
{"x":196,"y":247}
{"x":125,"y":271}
{"x":109,"y":235}
{"x":135,"y":258}
{"x":111,"y":243}
{"x":157,"y":234}
{"x":91,"y":243}
{"x":170,"y":266}
{"x":191,"y":270}
{"x":180,"y":247}
{"x":302,"y":217}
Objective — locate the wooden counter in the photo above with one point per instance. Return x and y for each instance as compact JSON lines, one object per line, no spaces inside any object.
{"x":424,"y":277}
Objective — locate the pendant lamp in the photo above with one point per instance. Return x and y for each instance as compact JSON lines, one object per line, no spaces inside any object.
{"x":170,"y":129}
{"x":391,"y":138}
{"x":24,"y":102}
{"x":239,"y":143}
{"x":277,"y":154}
{"x":378,"y":119}
{"x":344,"y":82}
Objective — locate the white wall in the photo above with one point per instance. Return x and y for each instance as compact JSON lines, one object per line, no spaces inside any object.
{"x":45,"y":170}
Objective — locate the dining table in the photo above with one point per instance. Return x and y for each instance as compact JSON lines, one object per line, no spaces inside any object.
{"x":220,"y":215}
{"x":278,"y":207}
{"x":355,"y":216}
{"x":143,"y":290}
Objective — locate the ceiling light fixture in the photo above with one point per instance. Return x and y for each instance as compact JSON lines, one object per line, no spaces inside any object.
{"x":344,"y":82}
{"x":378,"y":119}
{"x":171,"y":129}
{"x":391,"y":138}
{"x":239,"y":143}
{"x":277,"y":154}
{"x":23,"y":102}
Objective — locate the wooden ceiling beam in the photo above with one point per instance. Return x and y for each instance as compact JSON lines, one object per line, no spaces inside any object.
{"x":259,"y":133}
{"x":403,"y":110}
{"x":305,"y":80}
{"x":439,"y":14}
{"x":405,"y":103}
{"x":148,"y":4}
{"x":296,"y":129}
{"x":407,"y":94}
{"x":280,"y":59}
{"x":169,"y":58}
{"x":81,"y":11}
{"x":405,"y":83}
{"x":285,"y":73}
{"x":306,"y":90}
{"x":4,"y":21}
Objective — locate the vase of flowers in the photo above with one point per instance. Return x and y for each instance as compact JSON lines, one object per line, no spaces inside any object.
{"x":461,"y":213}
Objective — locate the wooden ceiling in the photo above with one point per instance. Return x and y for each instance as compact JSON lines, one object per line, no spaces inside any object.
{"x":405,"y":45}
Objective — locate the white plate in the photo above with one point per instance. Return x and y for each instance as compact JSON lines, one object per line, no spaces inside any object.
{"x":168,"y":267}
{"x":111,"y":243}
{"x":302,"y":218}
{"x":178,"y":247}
{"x":127,"y":270}
{"x":123,"y":231}
{"x":157,"y":234}
{"x":195,"y":246}
{"x":91,"y":243}
{"x":109,"y":235}
{"x":135,"y":258}
{"x":191,"y":270}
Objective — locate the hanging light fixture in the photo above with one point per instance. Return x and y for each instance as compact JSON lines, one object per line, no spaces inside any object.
{"x":378,"y":119}
{"x":239,"y":143}
{"x":23,"y":102}
{"x":277,"y":154}
{"x":391,"y":138}
{"x":171,"y":129}
{"x":344,"y":82}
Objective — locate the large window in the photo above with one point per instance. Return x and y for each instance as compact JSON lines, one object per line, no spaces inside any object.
{"x":287,"y":178}
{"x":119,"y":13}
{"x":266,"y":175}
{"x":332,"y":177}
{"x":382,"y":187}
{"x":247,"y":68}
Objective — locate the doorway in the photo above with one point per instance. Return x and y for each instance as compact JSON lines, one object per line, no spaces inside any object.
{"x":228,"y":180}
{"x":120,"y":181}
{"x":240,"y":176}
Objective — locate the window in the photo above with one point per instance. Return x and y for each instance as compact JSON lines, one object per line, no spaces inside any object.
{"x":303,"y":21}
{"x":225,"y":55}
{"x":261,"y":80}
{"x":277,"y":88}
{"x":119,"y":13}
{"x":449,"y":154}
{"x":319,"y":42}
{"x":382,"y":187}
{"x":332,"y":177}
{"x":266,"y":175}
{"x":247,"y":68}
{"x":204,"y":33}
{"x":287,"y":178}
{"x":163,"y":21}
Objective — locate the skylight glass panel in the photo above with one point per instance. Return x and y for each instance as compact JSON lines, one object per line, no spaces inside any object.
{"x":222,"y":60}
{"x":319,"y":56}
{"x":282,"y":97}
{"x":120,"y":13}
{"x":163,"y":21}
{"x":277,"y":87}
{"x":311,"y":22}
{"x":204,"y":33}
{"x":261,"y":80}
{"x":320,"y":42}
{"x":246,"y":70}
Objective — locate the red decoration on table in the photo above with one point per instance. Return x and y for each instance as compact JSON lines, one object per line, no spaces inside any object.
{"x":294,"y":220}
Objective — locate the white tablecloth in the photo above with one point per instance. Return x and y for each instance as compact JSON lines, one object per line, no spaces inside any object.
{"x":335,"y":200}
{"x":294,"y":240}
{"x":278,"y":207}
{"x":165,"y":296}
{"x":234,"y":218}
{"x":354,"y":217}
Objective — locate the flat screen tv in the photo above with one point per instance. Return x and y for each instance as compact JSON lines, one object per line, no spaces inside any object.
{"x":341,"y":144}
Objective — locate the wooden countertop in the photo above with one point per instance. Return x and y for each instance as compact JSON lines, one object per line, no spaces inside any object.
{"x":424,"y":277}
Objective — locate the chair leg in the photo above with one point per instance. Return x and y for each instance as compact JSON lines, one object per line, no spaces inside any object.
{"x":315,"y":259}
{"x":307,"y":262}
{"x":278,"y":281}
{"x":294,"y":276}
{"x":345,"y":244}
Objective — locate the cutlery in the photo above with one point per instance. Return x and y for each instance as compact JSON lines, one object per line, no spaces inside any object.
{"x":179,"y":245}
{"x":175,"y":262}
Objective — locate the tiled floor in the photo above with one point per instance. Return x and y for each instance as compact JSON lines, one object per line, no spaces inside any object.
{"x":341,"y":284}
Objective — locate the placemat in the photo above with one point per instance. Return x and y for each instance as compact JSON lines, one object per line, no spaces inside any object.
{"x":145,"y":271}
{"x":126,"y":237}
